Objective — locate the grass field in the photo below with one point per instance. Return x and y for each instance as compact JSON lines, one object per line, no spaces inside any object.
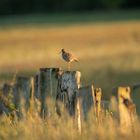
{"x":108,"y":51}
{"x":108,"y":47}
{"x":32,"y":127}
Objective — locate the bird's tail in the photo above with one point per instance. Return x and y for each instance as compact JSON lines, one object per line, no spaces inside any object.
{"x":76,"y":60}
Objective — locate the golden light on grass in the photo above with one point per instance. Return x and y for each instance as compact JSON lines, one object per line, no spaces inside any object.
{"x":108,"y":55}
{"x":64,"y":127}
{"x":37,"y":46}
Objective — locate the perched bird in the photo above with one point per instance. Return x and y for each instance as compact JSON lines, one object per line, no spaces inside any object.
{"x":68,"y":57}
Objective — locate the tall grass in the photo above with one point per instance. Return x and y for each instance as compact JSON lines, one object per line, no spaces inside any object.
{"x":64,"y":127}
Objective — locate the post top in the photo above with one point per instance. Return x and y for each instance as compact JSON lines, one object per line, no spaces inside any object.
{"x":53,"y":69}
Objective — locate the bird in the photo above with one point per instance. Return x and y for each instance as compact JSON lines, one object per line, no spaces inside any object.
{"x":68,"y":57}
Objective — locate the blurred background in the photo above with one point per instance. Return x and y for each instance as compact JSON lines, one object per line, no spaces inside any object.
{"x":52,"y":6}
{"x":103,"y":34}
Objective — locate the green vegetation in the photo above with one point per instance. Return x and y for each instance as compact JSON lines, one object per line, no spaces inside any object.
{"x":62,"y":19}
{"x":41,"y":6}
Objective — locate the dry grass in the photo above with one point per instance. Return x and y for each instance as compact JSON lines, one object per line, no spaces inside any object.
{"x":39,"y":46}
{"x":32,"y":127}
{"x":109,"y":55}
{"x":108,"y":52}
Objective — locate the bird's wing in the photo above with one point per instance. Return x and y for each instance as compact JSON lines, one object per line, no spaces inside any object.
{"x":76,"y":59}
{"x":71,"y":56}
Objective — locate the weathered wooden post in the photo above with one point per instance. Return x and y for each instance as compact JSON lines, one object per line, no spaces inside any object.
{"x":79,"y":119}
{"x":90,"y":98}
{"x":21,"y":92}
{"x":32,"y":97}
{"x":78,"y":82}
{"x":97,"y":103}
{"x":47,"y":85}
{"x":67,"y":91}
{"x":127,"y":108}
{"x":68,"y":94}
{"x":6,"y":99}
{"x":24,"y":88}
{"x":86,"y":100}
{"x":7,"y":89}
{"x":36,"y":86}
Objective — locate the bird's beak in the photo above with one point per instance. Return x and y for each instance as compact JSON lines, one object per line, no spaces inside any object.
{"x":59,"y":52}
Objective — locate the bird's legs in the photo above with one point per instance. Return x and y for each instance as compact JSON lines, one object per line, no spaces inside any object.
{"x":69,"y":66}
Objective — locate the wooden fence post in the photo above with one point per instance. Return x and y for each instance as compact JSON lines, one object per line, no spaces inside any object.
{"x":78,"y":109}
{"x":7,"y":89}
{"x":68,"y":85}
{"x":127,"y":109}
{"x":68,"y":94}
{"x":97,"y":103}
{"x":24,"y":86}
{"x":36,"y":86}
{"x":86,"y":100}
{"x":90,"y":98}
{"x":6,"y":99}
{"x":21,"y":93}
{"x":47,"y":84}
{"x":32,"y":97}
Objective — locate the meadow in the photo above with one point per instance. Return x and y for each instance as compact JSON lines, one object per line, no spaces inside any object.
{"x":108,"y":50}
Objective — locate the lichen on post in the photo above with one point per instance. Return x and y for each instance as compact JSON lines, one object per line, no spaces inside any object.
{"x":67,"y":91}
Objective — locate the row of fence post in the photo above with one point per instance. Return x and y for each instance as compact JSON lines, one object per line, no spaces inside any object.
{"x":65,"y":87}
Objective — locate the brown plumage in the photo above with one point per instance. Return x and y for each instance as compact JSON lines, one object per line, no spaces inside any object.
{"x":68,"y":57}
